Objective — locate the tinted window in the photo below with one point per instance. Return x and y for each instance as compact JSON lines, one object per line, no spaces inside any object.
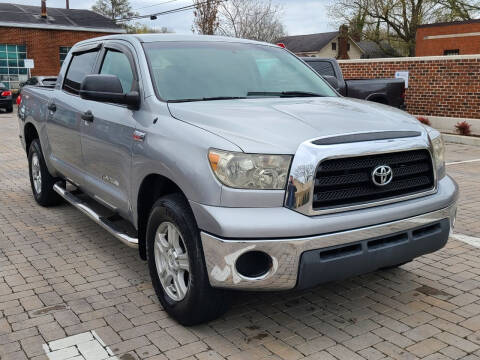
{"x":80,"y":66}
{"x":197,"y":70}
{"x":322,"y":67}
{"x":12,"y":65}
{"x":116,"y":63}
{"x":452,"y":52}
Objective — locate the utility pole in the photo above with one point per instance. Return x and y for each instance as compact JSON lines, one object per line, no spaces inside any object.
{"x":67,"y":4}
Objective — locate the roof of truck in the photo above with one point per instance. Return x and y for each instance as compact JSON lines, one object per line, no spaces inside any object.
{"x":148,"y":38}
{"x":178,"y":37}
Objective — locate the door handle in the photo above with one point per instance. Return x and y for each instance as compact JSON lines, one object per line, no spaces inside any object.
{"x":52,"y":107}
{"x":87,"y":116}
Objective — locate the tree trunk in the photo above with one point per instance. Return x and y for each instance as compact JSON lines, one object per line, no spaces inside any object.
{"x":411,"y":49}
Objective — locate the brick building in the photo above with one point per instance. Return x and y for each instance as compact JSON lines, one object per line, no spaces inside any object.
{"x":454,"y":38}
{"x":44,"y":35}
{"x":445,"y":89}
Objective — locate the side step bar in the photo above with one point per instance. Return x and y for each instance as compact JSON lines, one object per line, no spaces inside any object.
{"x":103,"y":222}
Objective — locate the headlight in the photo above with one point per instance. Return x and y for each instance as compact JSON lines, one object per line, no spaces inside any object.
{"x":438,"y":147}
{"x":250,"y":171}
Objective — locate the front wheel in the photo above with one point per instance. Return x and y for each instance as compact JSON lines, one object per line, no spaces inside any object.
{"x":177,"y":266}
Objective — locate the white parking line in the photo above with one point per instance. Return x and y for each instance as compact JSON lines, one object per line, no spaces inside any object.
{"x":84,"y":346}
{"x":463,"y":162}
{"x":474,"y":241}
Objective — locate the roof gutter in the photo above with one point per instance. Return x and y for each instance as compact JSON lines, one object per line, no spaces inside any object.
{"x":61,"y":27}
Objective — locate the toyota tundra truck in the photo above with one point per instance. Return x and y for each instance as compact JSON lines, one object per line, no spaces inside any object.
{"x":232,"y":165}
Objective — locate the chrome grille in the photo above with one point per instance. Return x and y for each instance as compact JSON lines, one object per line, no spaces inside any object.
{"x":348,"y":181}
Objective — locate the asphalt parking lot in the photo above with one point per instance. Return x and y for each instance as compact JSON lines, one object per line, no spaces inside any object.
{"x":70,"y":290}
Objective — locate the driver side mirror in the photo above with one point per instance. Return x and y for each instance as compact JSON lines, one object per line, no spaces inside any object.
{"x":332,"y":80}
{"x":107,"y":88}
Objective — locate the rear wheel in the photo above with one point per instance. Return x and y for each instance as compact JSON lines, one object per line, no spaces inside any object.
{"x":9,"y":109}
{"x":40,"y":179}
{"x":177,"y":266}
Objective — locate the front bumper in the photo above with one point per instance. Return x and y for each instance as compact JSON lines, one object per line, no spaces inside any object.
{"x":308,"y":261}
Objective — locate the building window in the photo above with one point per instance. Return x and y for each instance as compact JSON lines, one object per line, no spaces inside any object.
{"x":63,"y":53}
{"x":334,"y":46}
{"x":12,"y":66}
{"x":451,"y":52}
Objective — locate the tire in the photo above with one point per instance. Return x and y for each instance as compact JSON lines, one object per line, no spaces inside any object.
{"x":197,"y":301}
{"x":9,"y":109}
{"x":40,"y":179}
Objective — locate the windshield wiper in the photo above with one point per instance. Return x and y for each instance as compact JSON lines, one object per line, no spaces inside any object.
{"x":284,"y":93}
{"x":208,"y":99}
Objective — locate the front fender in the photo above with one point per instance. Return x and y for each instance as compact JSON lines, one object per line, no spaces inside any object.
{"x":178,"y":151}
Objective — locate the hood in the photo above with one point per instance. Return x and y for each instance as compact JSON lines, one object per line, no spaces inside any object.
{"x":280,"y":125}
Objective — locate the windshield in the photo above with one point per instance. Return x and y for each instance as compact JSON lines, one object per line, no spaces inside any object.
{"x":196,"y":71}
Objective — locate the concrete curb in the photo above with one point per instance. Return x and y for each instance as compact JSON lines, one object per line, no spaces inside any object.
{"x":459,"y":139}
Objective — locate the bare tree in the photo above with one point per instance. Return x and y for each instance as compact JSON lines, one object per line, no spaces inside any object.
{"x":251,"y":19}
{"x":459,"y":9}
{"x":114,"y":9}
{"x":139,"y":28}
{"x":396,"y":21}
{"x":305,"y":172}
{"x":206,"y":16}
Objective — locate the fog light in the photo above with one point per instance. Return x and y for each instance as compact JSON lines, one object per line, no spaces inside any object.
{"x":253,"y":264}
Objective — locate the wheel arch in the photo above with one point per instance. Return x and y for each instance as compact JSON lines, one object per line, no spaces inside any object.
{"x":378,"y":98}
{"x":30,"y":133}
{"x":152,"y":187}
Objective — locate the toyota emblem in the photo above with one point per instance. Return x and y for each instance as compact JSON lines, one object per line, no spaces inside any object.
{"x":382,"y":175}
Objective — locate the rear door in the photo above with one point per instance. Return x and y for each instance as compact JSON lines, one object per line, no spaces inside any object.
{"x":107,"y":139}
{"x":64,"y":115}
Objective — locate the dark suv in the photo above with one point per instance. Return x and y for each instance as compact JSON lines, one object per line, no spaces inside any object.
{"x":6,"y":100}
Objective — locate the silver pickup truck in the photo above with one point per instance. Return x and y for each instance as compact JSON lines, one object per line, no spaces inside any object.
{"x":231,"y":164}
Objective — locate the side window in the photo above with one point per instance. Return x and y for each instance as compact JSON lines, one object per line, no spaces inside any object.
{"x":80,"y":66}
{"x":323,"y":68}
{"x":116,"y":63}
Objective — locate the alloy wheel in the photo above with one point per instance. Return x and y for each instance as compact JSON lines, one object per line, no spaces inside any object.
{"x":171,"y":260}
{"x":36,"y":174}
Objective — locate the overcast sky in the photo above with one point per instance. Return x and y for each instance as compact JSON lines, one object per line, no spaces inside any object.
{"x":299,"y":16}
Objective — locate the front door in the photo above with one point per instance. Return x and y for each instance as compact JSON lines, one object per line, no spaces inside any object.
{"x":107,"y":137}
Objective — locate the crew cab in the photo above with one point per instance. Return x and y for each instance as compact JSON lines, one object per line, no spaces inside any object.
{"x":384,"y":91}
{"x":231,"y":165}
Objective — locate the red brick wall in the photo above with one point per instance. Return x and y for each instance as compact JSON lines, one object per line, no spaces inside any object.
{"x":43,"y":45}
{"x":440,"y":86}
{"x":432,"y":47}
